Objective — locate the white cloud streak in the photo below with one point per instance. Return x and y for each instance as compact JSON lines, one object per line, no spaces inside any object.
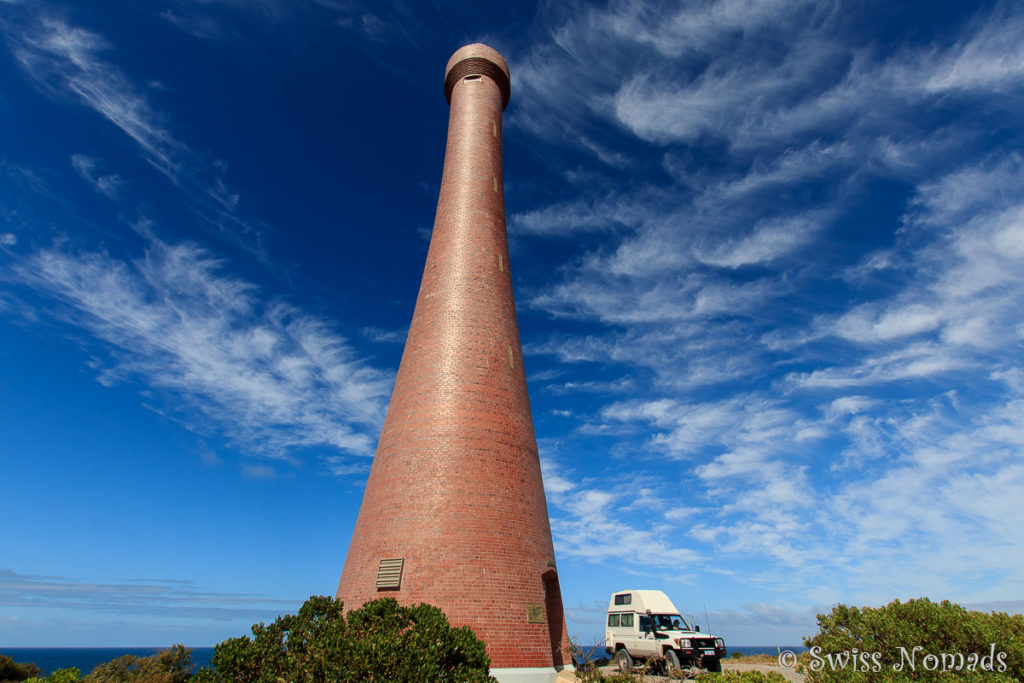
{"x":68,"y":63}
{"x":104,"y":184}
{"x":272,"y":377}
{"x":65,"y":61}
{"x":154,"y":597}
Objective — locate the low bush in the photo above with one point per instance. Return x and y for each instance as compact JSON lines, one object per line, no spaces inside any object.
{"x":173,"y":665}
{"x":740,"y":677}
{"x":71,"y":675}
{"x":11,"y":670}
{"x":917,"y":640}
{"x":380,"y":641}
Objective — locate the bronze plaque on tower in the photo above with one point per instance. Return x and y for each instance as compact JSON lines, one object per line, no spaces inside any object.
{"x":534,"y":613}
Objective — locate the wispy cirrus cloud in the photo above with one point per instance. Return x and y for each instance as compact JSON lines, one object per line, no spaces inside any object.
{"x":606,"y":214}
{"x":983,"y":61}
{"x":952,"y":474}
{"x":195,"y":23}
{"x":590,"y":517}
{"x":72,"y":64}
{"x":65,"y":63}
{"x":671,"y":264}
{"x":768,"y":359}
{"x":150,"y":597}
{"x":272,"y":377}
{"x":960,"y":259}
{"x":912,"y":472}
{"x":815,"y":84}
{"x":87,"y":168}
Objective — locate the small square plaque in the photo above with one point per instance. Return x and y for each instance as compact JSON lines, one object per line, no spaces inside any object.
{"x":534,"y":613}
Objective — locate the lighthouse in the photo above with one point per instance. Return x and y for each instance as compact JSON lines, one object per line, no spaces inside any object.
{"x":454,"y":512}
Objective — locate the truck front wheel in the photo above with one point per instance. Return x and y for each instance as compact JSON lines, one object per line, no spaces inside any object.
{"x":671,"y":661}
{"x":713,"y":664}
{"x":624,"y":661}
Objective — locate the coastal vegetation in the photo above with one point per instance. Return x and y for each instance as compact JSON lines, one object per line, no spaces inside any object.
{"x":380,"y":641}
{"x":11,"y":670}
{"x":916,"y":640}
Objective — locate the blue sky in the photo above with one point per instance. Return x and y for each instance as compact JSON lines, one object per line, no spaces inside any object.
{"x":769,"y":267}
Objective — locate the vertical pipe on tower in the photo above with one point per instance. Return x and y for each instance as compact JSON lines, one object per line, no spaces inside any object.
{"x":454,"y":512}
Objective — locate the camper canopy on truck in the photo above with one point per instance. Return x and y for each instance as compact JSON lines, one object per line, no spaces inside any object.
{"x":644,"y":625}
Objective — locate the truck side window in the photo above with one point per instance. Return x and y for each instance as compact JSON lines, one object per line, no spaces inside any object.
{"x":627,"y":620}
{"x":645,"y":623}
{"x":613,"y":620}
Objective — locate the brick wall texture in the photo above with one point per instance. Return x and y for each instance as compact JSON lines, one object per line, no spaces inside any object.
{"x":455,"y":488}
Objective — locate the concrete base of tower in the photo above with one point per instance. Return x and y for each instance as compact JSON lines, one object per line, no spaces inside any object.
{"x":538,"y":674}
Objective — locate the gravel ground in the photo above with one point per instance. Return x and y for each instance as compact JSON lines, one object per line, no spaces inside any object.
{"x":727,"y":665}
{"x":740,"y":665}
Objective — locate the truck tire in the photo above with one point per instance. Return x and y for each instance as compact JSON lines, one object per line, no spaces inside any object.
{"x":623,"y":661}
{"x":671,"y":661}
{"x":713,"y":664}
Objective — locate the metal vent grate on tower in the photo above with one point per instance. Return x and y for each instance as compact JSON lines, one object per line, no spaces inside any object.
{"x":389,"y":573}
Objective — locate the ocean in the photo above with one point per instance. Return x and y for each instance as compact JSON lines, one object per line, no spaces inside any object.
{"x":49,"y":659}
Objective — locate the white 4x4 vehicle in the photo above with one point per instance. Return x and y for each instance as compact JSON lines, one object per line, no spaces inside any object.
{"x":645,"y":625}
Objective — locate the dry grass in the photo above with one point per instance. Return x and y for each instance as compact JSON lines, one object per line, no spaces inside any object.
{"x":756,"y":659}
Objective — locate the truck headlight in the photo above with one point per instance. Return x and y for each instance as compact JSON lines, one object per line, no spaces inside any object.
{"x":719,"y":642}
{"x":683,"y":643}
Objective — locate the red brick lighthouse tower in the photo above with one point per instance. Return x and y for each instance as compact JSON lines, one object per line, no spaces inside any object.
{"x":454,"y":512}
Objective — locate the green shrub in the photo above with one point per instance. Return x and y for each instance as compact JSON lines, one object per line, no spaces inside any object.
{"x":11,"y":670}
{"x":71,"y":675}
{"x":173,"y":665}
{"x":737,"y":655}
{"x":740,"y":677}
{"x":917,"y":640}
{"x":381,"y":641}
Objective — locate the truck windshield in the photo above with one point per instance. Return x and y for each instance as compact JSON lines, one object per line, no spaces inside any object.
{"x":670,"y":622}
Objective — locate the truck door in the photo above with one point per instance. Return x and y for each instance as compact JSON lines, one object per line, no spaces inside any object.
{"x":647,"y":646}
